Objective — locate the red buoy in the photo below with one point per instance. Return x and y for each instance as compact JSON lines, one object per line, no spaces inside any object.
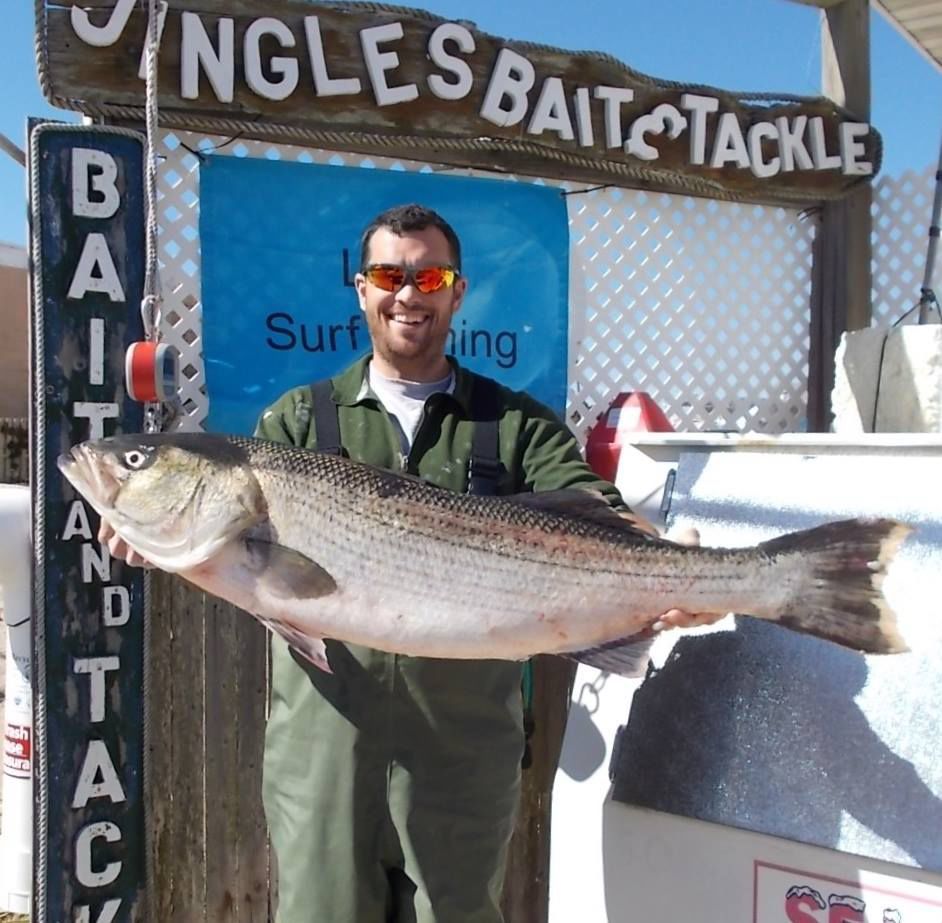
{"x":629,"y":412}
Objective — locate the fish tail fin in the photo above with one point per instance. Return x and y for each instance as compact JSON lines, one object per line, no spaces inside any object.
{"x":840,"y":597}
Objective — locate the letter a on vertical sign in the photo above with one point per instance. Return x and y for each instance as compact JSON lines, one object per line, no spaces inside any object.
{"x":87,"y":248}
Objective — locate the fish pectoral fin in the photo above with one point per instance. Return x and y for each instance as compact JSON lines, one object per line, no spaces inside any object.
{"x":284,"y":573}
{"x":624,"y":656}
{"x":587,"y":505}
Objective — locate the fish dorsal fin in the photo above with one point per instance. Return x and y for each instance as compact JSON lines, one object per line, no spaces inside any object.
{"x":587,"y":505}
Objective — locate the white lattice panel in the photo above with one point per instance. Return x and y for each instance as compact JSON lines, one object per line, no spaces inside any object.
{"x":902,"y":212}
{"x":702,"y":304}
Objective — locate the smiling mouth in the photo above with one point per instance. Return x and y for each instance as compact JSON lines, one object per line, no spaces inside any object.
{"x":410,"y":320}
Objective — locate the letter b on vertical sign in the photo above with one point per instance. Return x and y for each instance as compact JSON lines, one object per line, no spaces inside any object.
{"x":87,"y":247}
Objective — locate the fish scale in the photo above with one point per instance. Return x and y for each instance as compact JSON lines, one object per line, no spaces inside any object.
{"x":321,"y":546}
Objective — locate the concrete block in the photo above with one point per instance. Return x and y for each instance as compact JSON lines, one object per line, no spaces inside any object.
{"x":900,"y":370}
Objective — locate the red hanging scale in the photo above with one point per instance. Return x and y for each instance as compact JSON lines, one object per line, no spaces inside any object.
{"x":150,"y":372}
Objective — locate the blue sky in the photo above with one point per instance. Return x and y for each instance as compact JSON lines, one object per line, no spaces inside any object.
{"x":746,"y":45}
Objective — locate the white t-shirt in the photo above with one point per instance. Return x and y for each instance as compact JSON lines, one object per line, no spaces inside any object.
{"x":405,"y":400}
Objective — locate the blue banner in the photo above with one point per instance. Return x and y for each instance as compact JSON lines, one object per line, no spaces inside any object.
{"x":280,"y":249}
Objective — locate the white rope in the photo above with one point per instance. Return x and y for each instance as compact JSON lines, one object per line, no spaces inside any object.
{"x":38,"y":479}
{"x":150,"y":315}
{"x":150,"y":304}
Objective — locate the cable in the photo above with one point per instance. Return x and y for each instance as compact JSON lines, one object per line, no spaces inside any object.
{"x":928,"y":298}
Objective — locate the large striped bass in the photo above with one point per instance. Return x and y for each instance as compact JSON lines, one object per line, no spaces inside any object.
{"x":317,"y":546}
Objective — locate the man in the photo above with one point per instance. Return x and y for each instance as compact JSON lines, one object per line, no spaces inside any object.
{"x":391,"y":784}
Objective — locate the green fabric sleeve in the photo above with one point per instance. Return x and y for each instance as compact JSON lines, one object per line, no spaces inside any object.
{"x":287,"y":420}
{"x":551,"y":458}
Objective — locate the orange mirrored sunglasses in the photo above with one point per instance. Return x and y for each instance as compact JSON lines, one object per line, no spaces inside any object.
{"x":427,"y":280}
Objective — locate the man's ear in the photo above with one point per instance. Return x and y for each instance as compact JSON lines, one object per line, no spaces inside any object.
{"x":458,"y":293}
{"x":359,"y":283}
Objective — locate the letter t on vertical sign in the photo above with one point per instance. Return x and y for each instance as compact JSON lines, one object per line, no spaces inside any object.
{"x":87,"y":249}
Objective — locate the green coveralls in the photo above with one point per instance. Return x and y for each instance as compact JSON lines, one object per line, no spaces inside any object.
{"x":391,"y":785}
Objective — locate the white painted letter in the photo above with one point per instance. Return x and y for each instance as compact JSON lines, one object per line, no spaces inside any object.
{"x":96,"y":414}
{"x":96,"y":358}
{"x":665,"y":119}
{"x":101,"y":36}
{"x":196,"y":49}
{"x":729,"y":146}
{"x":107,"y":199}
{"x":100,"y":562}
{"x":95,"y":255}
{"x":109,"y":910}
{"x":551,"y":112}
{"x":124,"y":606}
{"x":614,"y":97}
{"x":76,"y":522}
{"x":83,"y":855}
{"x":584,"y":117}
{"x":513,"y":77}
{"x":98,"y":777}
{"x":700,"y":107}
{"x":791,"y":143}
{"x":754,"y":138}
{"x":96,"y":668}
{"x":287,"y":68}
{"x":324,"y":84}
{"x":853,"y":150}
{"x":451,"y":32}
{"x":819,"y":152}
{"x":377,"y":63}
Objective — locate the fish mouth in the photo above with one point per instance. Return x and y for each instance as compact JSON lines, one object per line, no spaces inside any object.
{"x":91,"y":475}
{"x":173,"y":540}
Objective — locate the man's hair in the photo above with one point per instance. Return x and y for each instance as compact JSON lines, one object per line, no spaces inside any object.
{"x":404,"y":218}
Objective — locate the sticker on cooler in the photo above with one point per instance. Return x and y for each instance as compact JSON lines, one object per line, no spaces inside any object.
{"x":796,"y":896}
{"x":17,"y":751}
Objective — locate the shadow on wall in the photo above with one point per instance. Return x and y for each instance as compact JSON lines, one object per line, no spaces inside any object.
{"x":758,"y":729}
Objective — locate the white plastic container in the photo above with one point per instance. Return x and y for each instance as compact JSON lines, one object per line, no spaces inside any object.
{"x":16,"y":828}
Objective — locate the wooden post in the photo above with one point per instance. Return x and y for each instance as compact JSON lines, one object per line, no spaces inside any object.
{"x":526,"y":882}
{"x":841,"y":278}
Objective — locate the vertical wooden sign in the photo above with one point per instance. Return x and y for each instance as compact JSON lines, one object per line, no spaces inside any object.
{"x":87,"y":247}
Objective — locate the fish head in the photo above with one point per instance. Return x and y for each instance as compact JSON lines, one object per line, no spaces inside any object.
{"x":176,"y":499}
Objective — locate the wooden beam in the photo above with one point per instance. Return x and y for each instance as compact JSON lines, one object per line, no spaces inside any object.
{"x":841,"y":291}
{"x":821,"y":4}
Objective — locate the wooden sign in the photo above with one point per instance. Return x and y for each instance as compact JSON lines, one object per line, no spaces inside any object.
{"x":88,"y":277}
{"x":404,"y":83}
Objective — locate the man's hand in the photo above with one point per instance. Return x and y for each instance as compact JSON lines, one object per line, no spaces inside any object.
{"x":118,"y":547}
{"x":678,"y":618}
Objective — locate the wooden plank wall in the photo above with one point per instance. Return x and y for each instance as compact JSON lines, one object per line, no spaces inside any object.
{"x":207,"y":697}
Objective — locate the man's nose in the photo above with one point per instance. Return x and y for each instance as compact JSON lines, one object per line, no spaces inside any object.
{"x":408,"y":294}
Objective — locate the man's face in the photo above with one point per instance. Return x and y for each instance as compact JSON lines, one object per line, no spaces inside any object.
{"x":408,"y":329}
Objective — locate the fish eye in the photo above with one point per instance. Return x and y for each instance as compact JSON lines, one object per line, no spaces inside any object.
{"x":135,"y":458}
